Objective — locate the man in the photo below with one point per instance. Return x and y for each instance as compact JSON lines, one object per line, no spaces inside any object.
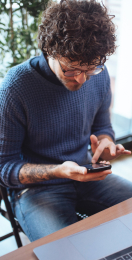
{"x":52,"y":106}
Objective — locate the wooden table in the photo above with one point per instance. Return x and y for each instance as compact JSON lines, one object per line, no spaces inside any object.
{"x":26,"y":252}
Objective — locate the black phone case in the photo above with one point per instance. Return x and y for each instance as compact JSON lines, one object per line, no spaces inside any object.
{"x":100,"y":169}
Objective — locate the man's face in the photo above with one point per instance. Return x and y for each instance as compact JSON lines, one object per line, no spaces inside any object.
{"x":71,"y":83}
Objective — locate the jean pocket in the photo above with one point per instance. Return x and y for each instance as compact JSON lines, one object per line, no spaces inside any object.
{"x":22,"y":192}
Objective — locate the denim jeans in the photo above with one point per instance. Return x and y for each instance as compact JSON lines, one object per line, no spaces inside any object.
{"x":46,"y":209}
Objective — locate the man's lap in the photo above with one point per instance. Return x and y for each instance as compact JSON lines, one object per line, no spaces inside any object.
{"x":99,"y":195}
{"x":44,"y":210}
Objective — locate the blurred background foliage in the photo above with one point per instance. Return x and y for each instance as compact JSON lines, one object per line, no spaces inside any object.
{"x":19,"y":20}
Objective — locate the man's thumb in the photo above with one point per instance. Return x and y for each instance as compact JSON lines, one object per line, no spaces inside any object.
{"x":82,"y":170}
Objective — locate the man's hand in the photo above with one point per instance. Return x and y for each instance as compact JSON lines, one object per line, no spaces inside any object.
{"x":34,"y":173}
{"x":72,"y":170}
{"x":104,"y":147}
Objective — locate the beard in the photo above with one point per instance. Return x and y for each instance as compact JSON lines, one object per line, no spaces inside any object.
{"x":70,"y":84}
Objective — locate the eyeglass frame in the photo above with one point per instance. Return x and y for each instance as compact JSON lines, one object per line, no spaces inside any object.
{"x":80,"y":71}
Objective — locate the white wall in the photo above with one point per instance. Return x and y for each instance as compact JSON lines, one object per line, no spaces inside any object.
{"x":123,"y":83}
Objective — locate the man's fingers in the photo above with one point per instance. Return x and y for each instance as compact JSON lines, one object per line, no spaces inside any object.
{"x":105,"y":162}
{"x":93,"y":139}
{"x":79,"y":170}
{"x":100,"y":149}
{"x":94,"y":142}
{"x":98,"y":175}
{"x":112,"y":149}
{"x":101,"y":178}
{"x":79,"y":173}
{"x":120,"y":147}
{"x":127,"y":152}
{"x":82,"y":170}
{"x":123,"y":152}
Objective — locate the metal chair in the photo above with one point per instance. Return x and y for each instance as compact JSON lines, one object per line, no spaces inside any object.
{"x":9,"y":216}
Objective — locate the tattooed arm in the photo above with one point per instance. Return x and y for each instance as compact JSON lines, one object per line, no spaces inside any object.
{"x":33,"y":173}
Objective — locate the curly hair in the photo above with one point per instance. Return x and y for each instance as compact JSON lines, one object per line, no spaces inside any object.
{"x":80,"y":30}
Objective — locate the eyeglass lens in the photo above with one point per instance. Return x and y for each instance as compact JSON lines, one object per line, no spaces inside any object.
{"x":78,"y":72}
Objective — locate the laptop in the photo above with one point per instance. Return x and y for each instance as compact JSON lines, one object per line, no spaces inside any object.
{"x":109,"y":241}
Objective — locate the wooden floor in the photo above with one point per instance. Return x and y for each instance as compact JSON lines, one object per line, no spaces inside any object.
{"x":121,"y":166}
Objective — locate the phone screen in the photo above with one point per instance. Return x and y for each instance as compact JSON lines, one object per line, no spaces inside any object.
{"x":97,"y":167}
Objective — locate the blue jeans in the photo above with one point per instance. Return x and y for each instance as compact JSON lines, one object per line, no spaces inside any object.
{"x":46,"y":209}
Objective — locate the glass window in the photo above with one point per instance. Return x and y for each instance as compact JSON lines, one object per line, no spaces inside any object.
{"x":119,"y":67}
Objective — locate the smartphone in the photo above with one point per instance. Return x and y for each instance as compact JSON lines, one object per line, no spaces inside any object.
{"x":97,"y":167}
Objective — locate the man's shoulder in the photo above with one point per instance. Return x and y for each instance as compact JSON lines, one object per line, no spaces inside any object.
{"x":102,"y":80}
{"x":17,"y":83}
{"x":17,"y":75}
{"x":99,"y":85}
{"x":104,"y":75}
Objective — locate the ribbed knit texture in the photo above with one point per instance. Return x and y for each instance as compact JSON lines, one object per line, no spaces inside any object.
{"x":47,"y":124}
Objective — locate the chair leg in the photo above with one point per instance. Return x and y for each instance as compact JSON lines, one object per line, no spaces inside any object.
{"x":11,"y":217}
{"x":6,"y":236}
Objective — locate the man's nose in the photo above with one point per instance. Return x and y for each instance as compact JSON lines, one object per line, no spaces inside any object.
{"x":81,"y":78}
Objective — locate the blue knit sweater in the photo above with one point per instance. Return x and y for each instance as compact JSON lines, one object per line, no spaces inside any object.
{"x":43,"y":122}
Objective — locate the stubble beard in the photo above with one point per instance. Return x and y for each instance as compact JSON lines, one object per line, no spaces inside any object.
{"x":69,"y":84}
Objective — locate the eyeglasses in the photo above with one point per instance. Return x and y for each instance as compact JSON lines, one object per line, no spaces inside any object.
{"x":76,"y":72}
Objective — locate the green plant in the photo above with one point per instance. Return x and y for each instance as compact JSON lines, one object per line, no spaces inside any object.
{"x":18,"y":28}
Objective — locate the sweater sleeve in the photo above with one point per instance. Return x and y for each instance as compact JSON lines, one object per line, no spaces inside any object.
{"x":102,"y":122}
{"x":12,"y":133}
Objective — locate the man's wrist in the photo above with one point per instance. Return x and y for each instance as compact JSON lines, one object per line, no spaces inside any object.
{"x":101,"y":137}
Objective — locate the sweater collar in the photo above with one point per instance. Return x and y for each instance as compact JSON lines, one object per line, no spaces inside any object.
{"x":45,"y":70}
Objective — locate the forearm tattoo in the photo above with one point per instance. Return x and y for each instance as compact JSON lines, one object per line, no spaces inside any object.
{"x":32,"y":173}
